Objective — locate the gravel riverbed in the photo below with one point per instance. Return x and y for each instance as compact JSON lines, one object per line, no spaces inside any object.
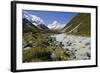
{"x":77,"y":46}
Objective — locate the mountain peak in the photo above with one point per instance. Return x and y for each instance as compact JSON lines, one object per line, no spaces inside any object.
{"x":56,"y":25}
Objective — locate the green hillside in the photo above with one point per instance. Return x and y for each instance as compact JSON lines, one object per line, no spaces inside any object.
{"x":84,"y":22}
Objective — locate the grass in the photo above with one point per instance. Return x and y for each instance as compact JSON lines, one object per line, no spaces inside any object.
{"x":36,"y":53}
{"x":40,"y":54}
{"x":85,"y":27}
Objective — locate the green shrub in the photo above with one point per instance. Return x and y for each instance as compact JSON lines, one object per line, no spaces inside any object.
{"x":36,"y":53}
{"x":60,"y":54}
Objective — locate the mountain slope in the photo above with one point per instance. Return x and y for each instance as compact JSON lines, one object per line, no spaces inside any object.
{"x":42,"y":26}
{"x":36,"y":21}
{"x":79,"y":25}
{"x":29,"y":27}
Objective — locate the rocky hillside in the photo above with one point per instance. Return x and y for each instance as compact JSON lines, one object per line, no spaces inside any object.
{"x":31,"y":27}
{"x":28,"y":26}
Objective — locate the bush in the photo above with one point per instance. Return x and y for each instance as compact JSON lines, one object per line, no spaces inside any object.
{"x":59,"y":54}
{"x":36,"y":53}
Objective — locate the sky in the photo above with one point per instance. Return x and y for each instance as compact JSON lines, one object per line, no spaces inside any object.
{"x":50,"y":16}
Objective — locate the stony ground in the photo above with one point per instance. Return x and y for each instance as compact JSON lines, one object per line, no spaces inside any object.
{"x":77,"y":46}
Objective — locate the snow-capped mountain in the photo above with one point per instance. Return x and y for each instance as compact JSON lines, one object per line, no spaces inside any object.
{"x":35,"y":20}
{"x":56,"y":25}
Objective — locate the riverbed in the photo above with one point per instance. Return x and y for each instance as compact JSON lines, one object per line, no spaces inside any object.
{"x":77,"y":46}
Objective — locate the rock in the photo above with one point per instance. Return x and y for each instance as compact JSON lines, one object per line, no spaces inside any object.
{"x":23,"y":43}
{"x":83,"y":47}
{"x":88,"y":43}
{"x":69,"y":43}
{"x":61,"y":45}
{"x":89,"y":47}
{"x":80,"y":41}
{"x":88,"y":55}
{"x":26,"y":48}
{"x":53,"y":56}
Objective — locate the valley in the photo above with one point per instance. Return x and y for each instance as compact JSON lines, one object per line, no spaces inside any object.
{"x":71,"y":42}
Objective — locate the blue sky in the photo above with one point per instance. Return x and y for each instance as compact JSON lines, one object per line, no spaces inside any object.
{"x":50,"y":16}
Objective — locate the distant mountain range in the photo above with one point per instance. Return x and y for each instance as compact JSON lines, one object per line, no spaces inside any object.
{"x":79,"y":25}
{"x":39,"y":23}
